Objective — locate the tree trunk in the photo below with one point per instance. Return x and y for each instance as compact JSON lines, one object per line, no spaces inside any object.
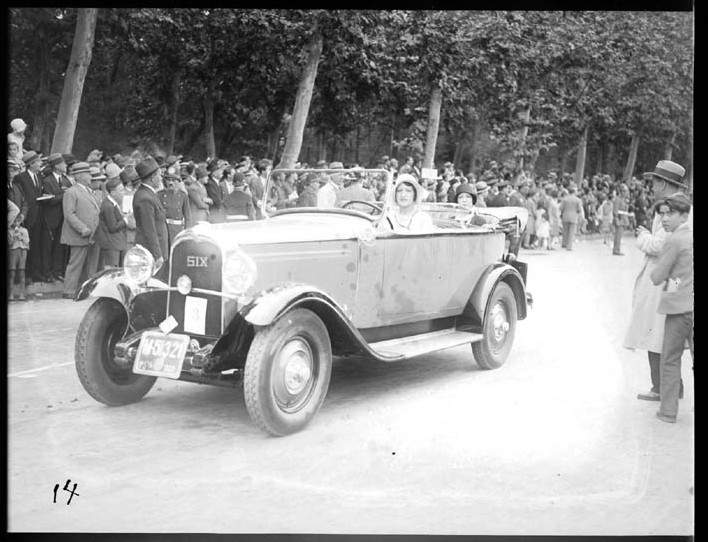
{"x":81,"y":52}
{"x":210,"y":142}
{"x":669,"y":148}
{"x":580,"y":158}
{"x":632,"y":158}
{"x":459,"y":151}
{"x":175,"y":95}
{"x":301,"y":109}
{"x":472,"y":139}
{"x":525,"y":117}
{"x":433,"y":126}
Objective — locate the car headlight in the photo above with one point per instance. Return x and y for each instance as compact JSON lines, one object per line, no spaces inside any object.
{"x":138,"y":264}
{"x":240,"y":272}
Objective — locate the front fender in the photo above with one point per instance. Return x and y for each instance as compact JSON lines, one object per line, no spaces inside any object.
{"x":107,"y":283}
{"x":498,"y":272}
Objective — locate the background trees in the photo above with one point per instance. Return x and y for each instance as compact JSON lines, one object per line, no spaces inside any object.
{"x":589,"y":92}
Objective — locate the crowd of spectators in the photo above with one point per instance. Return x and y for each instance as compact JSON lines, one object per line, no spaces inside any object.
{"x":216,"y":190}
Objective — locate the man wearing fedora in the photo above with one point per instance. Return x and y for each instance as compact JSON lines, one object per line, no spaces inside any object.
{"x":52,"y":249}
{"x":150,"y":218}
{"x":81,"y":210}
{"x":646,"y":326}
{"x":30,"y":182}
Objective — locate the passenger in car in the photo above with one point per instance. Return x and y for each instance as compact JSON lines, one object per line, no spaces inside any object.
{"x":405,"y":216}
{"x":466,"y":196}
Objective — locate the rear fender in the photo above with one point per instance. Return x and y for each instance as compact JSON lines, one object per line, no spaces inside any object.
{"x":478,"y":300}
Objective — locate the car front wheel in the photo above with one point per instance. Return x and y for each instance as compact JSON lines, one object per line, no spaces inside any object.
{"x":287,"y":372}
{"x":103,"y":325}
{"x":499,"y":329}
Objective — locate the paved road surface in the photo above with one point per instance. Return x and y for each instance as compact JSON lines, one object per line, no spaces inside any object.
{"x":554,"y":442}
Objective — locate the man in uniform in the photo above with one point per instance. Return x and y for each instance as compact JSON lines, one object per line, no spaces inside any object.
{"x":150,"y":223}
{"x":176,"y":205}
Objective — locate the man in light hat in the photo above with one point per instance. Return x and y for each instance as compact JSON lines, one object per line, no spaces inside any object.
{"x":150,"y":218}
{"x":673,"y":273}
{"x":55,"y":183}
{"x":81,"y":210}
{"x":176,"y":205}
{"x":482,"y":191}
{"x":646,"y":326}
{"x":30,"y":182}
{"x":17,"y":135}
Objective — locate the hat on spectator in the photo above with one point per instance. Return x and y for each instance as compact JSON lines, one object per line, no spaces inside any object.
{"x":54,"y":159}
{"x":407,"y":178}
{"x":172,"y":177}
{"x":18,"y":125}
{"x":129,"y":175}
{"x":94,"y":156}
{"x":239,"y":179}
{"x":482,"y":188}
{"x":467,"y":188}
{"x":12,"y":163}
{"x":80,"y":167}
{"x":160,"y":160}
{"x":680,"y":199}
{"x":336,"y":165}
{"x":147,"y":167}
{"x":96,"y":174}
{"x":201,"y":171}
{"x":322,"y":163}
{"x":669,"y":171}
{"x":29,"y":157}
{"x":112,"y":171}
{"x":173,"y":159}
{"x":310,"y":177}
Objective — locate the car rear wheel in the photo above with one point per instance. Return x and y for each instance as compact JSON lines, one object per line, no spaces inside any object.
{"x":499,"y":329}
{"x":287,"y":372}
{"x":103,"y":325}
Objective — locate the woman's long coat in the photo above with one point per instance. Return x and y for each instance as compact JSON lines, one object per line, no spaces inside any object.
{"x":646,"y":326}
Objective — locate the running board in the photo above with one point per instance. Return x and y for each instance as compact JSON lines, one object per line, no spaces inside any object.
{"x":415,"y":345}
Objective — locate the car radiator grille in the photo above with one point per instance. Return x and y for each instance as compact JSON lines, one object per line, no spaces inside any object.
{"x":201,"y":261}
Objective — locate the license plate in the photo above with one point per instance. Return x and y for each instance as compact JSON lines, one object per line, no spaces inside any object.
{"x":161,"y":354}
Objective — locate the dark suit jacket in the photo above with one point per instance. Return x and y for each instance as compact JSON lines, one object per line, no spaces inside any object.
{"x":17,"y":196}
{"x":31,"y":193}
{"x":112,"y":228}
{"x":150,"y":224}
{"x":53,"y":207}
{"x":216,"y":212}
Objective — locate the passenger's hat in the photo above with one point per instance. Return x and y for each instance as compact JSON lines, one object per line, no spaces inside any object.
{"x":129,"y":175}
{"x":482,"y":188}
{"x":146,"y":168}
{"x":96,"y":174}
{"x":80,"y":167}
{"x":407,"y":178}
{"x":466,"y":188}
{"x":29,"y":157}
{"x":55,"y":158}
{"x":18,"y":125}
{"x":669,"y":171}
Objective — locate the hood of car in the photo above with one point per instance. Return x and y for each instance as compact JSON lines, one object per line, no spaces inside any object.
{"x":287,"y":228}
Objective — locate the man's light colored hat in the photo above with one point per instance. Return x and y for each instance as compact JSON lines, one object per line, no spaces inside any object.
{"x":669,"y":171}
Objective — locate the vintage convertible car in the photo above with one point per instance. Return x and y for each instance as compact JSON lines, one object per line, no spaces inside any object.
{"x":267,"y":304}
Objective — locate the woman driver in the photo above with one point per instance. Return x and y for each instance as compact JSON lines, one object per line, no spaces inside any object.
{"x":405,"y":216}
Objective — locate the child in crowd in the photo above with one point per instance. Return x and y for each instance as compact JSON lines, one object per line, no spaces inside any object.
{"x":18,"y":245}
{"x":543,"y":229}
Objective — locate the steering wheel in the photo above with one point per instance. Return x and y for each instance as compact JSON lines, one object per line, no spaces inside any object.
{"x":374,"y":207}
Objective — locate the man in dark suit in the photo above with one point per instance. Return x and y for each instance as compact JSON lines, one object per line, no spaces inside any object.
{"x":30,"y":182}
{"x":52,"y":249}
{"x":571,"y":209}
{"x":111,"y":234}
{"x":81,"y":210}
{"x":14,"y":192}
{"x":150,"y":218}
{"x":213,"y":188}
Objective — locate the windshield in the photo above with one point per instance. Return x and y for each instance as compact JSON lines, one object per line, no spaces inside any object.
{"x":355,"y":189}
